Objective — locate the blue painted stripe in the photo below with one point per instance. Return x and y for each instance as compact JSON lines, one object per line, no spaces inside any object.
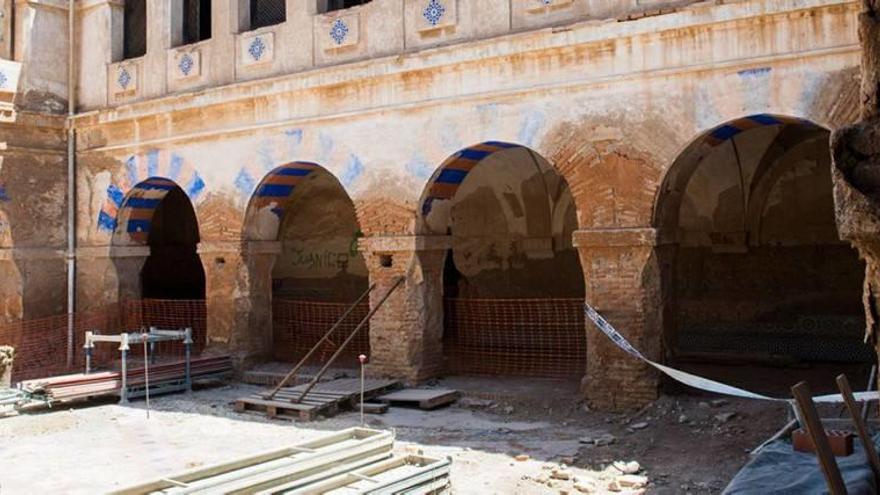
{"x":451,"y":176}
{"x":428,"y":205}
{"x":153,"y":163}
{"x":138,"y":226}
{"x":475,"y":155}
{"x":765,"y":119}
{"x":131,"y":170}
{"x":294,"y":172}
{"x":725,"y":132}
{"x":106,"y":221}
{"x":148,"y":203}
{"x":115,"y":194}
{"x":274,"y":190}
{"x":501,"y":144}
{"x":175,"y":166}
{"x":155,"y":186}
{"x":195,"y":187}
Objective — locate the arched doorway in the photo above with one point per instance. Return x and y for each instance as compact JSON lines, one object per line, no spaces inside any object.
{"x":513,"y":286}
{"x":319,"y":272}
{"x":169,"y":291}
{"x":173,"y":270}
{"x":756,"y":274}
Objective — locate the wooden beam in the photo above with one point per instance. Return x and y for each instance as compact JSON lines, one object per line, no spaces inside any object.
{"x":804,"y":398}
{"x":867,"y":441}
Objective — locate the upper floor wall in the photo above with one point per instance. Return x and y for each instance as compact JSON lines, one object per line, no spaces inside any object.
{"x":310,"y":37}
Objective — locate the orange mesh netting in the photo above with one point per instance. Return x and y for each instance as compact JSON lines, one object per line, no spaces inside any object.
{"x":299,"y":325}
{"x":525,"y":337}
{"x":41,"y":345}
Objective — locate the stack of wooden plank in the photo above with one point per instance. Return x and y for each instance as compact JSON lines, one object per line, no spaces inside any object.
{"x":82,"y":386}
{"x":353,"y":461}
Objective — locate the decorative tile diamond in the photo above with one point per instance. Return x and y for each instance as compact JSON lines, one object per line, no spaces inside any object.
{"x":124,"y":78}
{"x":339,"y":31}
{"x":257,"y":48}
{"x":186,"y":64}
{"x":433,"y":12}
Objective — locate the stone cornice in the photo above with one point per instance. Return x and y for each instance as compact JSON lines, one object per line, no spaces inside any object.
{"x":614,"y":237}
{"x":239,"y":247}
{"x":30,"y":253}
{"x":392,"y":244}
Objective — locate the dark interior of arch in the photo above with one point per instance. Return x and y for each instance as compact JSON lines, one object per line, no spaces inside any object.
{"x":319,"y":272}
{"x":758,"y":273}
{"x":513,"y":286}
{"x":173,"y":270}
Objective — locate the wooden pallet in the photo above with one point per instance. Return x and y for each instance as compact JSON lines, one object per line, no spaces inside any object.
{"x":325,"y":399}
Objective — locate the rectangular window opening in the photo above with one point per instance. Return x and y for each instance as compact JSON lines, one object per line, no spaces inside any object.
{"x":325,"y":6}
{"x":267,"y":13}
{"x":196,"y":21}
{"x":134,"y":29}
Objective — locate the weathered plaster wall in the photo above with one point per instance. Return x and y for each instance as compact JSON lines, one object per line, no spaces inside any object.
{"x":33,"y":189}
{"x":511,"y":225}
{"x":319,"y":257}
{"x":610,"y":106}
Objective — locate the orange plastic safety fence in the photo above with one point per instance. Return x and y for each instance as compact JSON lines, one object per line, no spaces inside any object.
{"x":299,"y":325}
{"x":524,"y":337}
{"x":41,"y":345}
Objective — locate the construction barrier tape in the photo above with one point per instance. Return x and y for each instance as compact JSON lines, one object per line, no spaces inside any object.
{"x":700,"y":382}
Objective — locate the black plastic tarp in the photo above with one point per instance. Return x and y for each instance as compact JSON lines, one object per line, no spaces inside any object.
{"x":778,"y":469}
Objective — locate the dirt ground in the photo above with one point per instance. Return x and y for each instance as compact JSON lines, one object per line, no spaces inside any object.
{"x":683,"y":443}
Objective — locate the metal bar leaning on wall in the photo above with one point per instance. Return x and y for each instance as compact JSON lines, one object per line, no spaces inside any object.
{"x":333,"y":358}
{"x":314,"y":349}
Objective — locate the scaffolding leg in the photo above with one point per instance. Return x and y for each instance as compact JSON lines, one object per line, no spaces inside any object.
{"x":188,"y":368}
{"x":88,"y":360}
{"x":123,"y":392}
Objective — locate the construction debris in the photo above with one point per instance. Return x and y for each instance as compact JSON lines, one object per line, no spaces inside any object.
{"x":423,"y":398}
{"x":7,"y":355}
{"x":164,"y":378}
{"x":9,"y":401}
{"x":356,"y":460}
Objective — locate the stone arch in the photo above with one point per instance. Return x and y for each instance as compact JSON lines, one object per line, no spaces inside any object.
{"x":745,"y":217}
{"x":316,"y":270}
{"x":678,"y":174}
{"x":155,"y":242}
{"x":508,"y":215}
{"x":433,"y":212}
{"x":266,"y":206}
{"x":140,"y":169}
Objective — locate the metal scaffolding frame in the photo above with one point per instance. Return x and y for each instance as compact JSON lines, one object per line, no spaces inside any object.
{"x":152,"y":337}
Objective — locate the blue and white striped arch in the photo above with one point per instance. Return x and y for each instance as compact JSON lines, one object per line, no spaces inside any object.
{"x":279,"y":184}
{"x":147,"y":178}
{"x":455,"y":169}
{"x":728,"y":131}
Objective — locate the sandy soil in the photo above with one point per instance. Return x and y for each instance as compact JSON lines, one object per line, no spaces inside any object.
{"x":506,"y":436}
{"x":99,"y":447}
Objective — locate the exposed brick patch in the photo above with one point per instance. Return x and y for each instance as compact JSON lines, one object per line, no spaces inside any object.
{"x":385,"y":216}
{"x":612,"y":184}
{"x":219,"y":218}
